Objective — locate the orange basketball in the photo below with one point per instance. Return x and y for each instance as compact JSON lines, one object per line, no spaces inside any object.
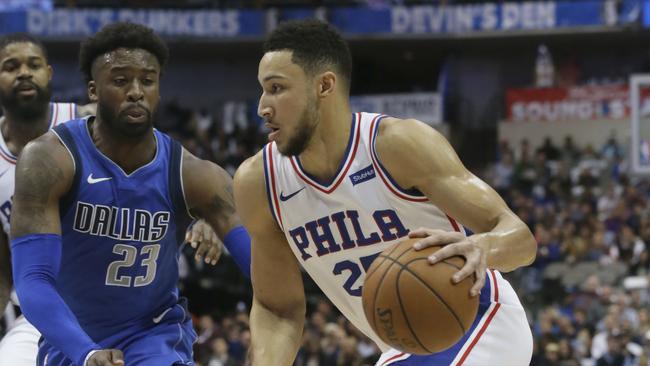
{"x":414,"y":306}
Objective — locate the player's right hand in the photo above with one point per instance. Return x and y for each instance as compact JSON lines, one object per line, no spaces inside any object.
{"x":106,"y":357}
{"x":455,"y":243}
{"x":202,"y":237}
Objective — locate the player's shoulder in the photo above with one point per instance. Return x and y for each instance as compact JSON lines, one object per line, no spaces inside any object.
{"x":193,"y":163}
{"x":397,"y":128}
{"x":404,"y":134}
{"x":84,"y":110}
{"x":249,"y":177}
{"x":48,"y":143}
{"x":197,"y":171}
{"x":47,"y":154}
{"x":250,"y":195}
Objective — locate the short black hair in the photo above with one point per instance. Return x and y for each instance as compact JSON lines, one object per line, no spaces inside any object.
{"x":121,"y":35}
{"x":315,"y":45}
{"x":21,"y":38}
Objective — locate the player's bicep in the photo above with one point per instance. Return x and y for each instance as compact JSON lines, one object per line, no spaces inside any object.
{"x":209,"y":193}
{"x":42,"y":176}
{"x":5,"y":269}
{"x":275,"y":273}
{"x":4,"y":242}
{"x":467,"y":199}
{"x":458,"y":192}
{"x":420,"y":157}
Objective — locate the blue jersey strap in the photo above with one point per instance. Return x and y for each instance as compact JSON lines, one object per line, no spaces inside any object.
{"x":238,"y":243}
{"x":36,"y":260}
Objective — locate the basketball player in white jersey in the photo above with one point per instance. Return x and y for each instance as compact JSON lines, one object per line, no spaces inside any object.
{"x":333,"y":189}
{"x":27,"y":113}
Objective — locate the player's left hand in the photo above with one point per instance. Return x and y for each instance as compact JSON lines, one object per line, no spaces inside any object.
{"x":454,"y":244}
{"x":202,"y":238}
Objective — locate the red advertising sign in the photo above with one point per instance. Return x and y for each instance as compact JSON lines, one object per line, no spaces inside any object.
{"x":576,"y":104}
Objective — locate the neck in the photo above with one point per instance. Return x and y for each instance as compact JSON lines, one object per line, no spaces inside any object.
{"x":18,"y":130}
{"x":128,"y":152}
{"x":326,"y":149}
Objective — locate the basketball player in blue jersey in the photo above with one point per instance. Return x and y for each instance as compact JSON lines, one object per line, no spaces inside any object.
{"x":333,"y":189}
{"x":100,"y":208}
{"x":25,"y":77}
{"x":27,"y":113}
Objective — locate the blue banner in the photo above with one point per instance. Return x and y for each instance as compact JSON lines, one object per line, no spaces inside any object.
{"x":353,"y":21}
{"x":361,"y":20}
{"x":13,"y":21}
{"x":12,"y":5}
{"x":494,"y":17}
{"x":173,"y":23}
{"x":646,"y":13}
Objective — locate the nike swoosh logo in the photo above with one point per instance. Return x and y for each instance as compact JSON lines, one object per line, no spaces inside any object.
{"x":92,"y":180}
{"x":161,"y":316}
{"x":285,"y":198}
{"x":3,"y":173}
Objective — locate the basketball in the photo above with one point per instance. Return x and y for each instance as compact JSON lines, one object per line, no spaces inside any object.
{"x":414,"y":306}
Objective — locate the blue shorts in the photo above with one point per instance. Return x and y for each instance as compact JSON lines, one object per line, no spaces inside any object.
{"x":167,"y":342}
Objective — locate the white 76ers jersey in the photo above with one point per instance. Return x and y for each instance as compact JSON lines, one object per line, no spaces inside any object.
{"x":337,"y":228}
{"x":60,"y":112}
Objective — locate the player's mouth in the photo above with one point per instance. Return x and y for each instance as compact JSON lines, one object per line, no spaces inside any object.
{"x":136,"y":115}
{"x":275,"y":131}
{"x":26,"y":90}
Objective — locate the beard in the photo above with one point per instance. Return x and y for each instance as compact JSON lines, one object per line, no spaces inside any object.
{"x":119,"y":124}
{"x":27,"y":108}
{"x":309,"y":119}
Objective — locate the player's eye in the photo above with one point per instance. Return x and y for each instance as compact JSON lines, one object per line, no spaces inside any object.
{"x":147,"y":81}
{"x":275,"y":88}
{"x":9,"y":66}
{"x":119,"y":81}
{"x":35,"y":66}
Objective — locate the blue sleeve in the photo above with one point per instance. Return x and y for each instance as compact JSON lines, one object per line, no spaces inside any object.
{"x":36,"y":261}
{"x":238,"y":243}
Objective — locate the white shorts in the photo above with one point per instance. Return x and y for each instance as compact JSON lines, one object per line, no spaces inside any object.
{"x":500,"y":335}
{"x":19,"y":346}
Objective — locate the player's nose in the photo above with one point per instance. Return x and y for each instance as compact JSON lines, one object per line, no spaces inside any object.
{"x":135,"y":92}
{"x":24,"y":72}
{"x":265,"y":112}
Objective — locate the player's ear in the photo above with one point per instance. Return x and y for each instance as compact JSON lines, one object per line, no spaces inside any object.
{"x":50,"y":72}
{"x":92,"y":91}
{"x":326,"y":84}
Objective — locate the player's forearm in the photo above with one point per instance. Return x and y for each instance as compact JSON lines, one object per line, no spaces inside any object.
{"x":5,"y":287}
{"x":509,"y":245}
{"x":275,"y":339}
{"x":47,"y":311}
{"x":5,"y":293}
{"x":36,"y":261}
{"x":5,"y":273}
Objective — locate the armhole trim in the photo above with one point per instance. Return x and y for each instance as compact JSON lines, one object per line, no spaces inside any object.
{"x":180,"y":177}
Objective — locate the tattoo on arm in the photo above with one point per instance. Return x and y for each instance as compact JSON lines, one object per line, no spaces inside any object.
{"x":35,"y":179}
{"x":223,"y":202}
{"x":220,"y":211}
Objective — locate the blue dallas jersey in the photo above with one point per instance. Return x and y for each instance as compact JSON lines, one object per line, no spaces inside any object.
{"x":121,"y":234}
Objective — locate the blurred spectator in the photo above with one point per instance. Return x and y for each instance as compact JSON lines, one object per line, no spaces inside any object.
{"x":220,"y":356}
{"x":503,"y":173}
{"x":550,"y":151}
{"x":614,"y":354}
{"x":569,"y":151}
